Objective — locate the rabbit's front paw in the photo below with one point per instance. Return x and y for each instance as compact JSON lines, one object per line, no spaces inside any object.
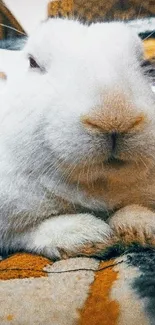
{"x":70,"y":235}
{"x":134,"y":223}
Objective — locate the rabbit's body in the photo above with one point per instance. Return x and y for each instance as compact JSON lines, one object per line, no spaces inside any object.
{"x":76,"y":135}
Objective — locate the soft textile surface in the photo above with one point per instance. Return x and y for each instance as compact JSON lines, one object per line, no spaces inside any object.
{"x":81,"y":291}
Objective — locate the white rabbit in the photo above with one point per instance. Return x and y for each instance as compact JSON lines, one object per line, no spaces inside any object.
{"x":77,"y":141}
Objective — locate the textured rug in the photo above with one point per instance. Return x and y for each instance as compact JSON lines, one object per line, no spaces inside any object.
{"x":81,"y":291}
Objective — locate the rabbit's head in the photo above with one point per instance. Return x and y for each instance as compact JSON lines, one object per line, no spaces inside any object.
{"x":92,"y":100}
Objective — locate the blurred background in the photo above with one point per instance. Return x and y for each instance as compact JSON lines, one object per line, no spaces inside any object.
{"x":23,"y":16}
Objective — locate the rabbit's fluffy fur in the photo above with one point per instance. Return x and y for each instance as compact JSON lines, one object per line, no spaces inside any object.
{"x":77,"y":140}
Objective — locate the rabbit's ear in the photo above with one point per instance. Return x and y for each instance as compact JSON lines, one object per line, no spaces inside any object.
{"x":148,"y":67}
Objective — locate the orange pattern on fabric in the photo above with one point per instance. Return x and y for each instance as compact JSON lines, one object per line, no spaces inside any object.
{"x":23,"y":266}
{"x":10,"y":317}
{"x":99,"y":309}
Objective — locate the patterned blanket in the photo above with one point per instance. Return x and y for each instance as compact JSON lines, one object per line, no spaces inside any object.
{"x":80,"y":291}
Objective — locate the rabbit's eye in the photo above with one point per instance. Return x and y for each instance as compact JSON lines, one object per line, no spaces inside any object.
{"x":33,"y":64}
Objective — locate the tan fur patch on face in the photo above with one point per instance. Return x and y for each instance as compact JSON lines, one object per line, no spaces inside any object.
{"x":119,"y":191}
{"x":119,"y":184}
{"x":116,"y":115}
{"x":117,"y":187}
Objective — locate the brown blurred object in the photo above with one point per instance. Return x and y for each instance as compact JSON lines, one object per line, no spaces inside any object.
{"x":3,"y":75}
{"x":6,"y":18}
{"x":61,"y":8}
{"x":149,"y":47}
{"x":99,"y":10}
{"x":149,"y":53}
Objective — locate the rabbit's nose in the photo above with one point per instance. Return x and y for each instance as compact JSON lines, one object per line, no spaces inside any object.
{"x":114,"y":124}
{"x":114,"y":141}
{"x":117,"y":115}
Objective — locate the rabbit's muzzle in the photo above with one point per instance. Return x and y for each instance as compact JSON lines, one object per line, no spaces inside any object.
{"x":118,"y":121}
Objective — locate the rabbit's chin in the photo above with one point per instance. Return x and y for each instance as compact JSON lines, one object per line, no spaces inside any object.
{"x":114,"y":184}
{"x":92,"y":172}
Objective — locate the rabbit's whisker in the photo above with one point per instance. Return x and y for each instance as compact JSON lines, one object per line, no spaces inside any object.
{"x":12,"y":28}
